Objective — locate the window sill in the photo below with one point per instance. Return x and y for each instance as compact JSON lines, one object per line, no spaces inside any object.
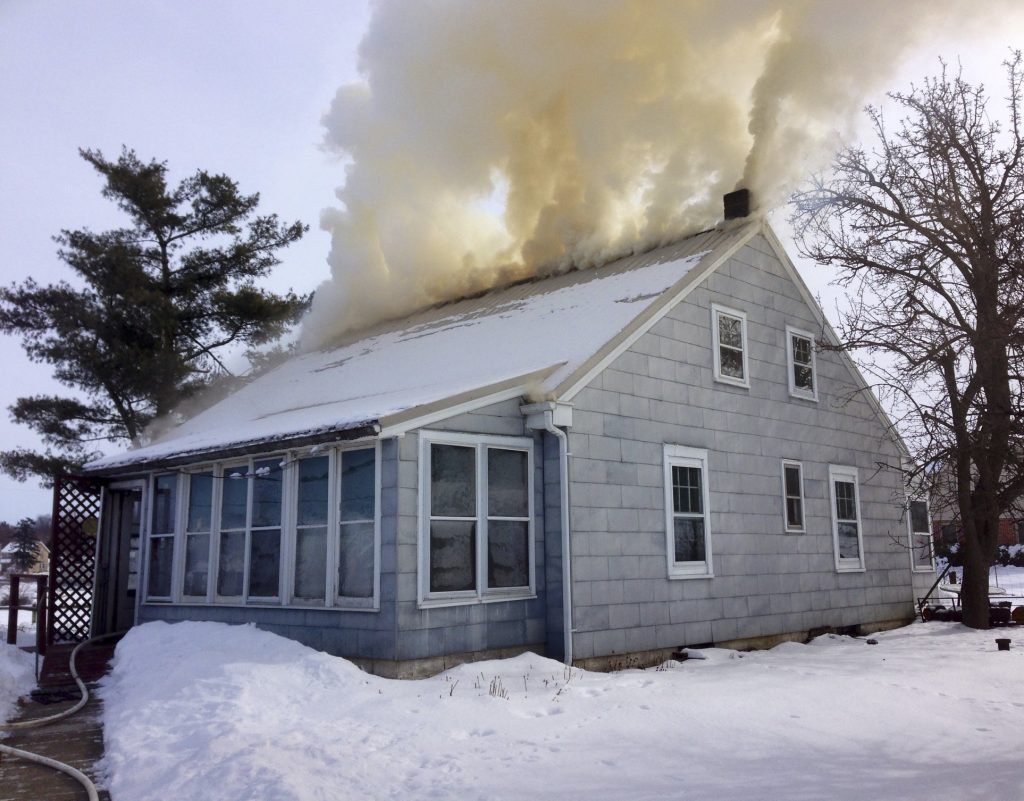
{"x":676,"y":575}
{"x":851,"y":569}
{"x":290,"y":607}
{"x":803,"y":396}
{"x":732,"y":382}
{"x":794,"y":531}
{"x":922,"y":569}
{"x":434,"y":603}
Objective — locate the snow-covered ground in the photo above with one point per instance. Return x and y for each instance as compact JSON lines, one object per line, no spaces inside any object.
{"x":17,"y":677}
{"x":207,"y":711}
{"x":26,"y":625}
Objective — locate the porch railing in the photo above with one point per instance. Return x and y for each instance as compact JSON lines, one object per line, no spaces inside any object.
{"x":39,"y":609}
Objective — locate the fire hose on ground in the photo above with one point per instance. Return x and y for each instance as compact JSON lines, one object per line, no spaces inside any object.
{"x":74,"y":773}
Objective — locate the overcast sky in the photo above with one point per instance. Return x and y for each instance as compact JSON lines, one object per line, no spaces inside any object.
{"x":225,"y":85}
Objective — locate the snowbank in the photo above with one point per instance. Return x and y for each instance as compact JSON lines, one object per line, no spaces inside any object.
{"x":207,"y":711}
{"x":17,"y":678}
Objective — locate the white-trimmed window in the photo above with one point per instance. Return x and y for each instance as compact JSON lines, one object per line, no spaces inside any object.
{"x":686,"y":512}
{"x":198,"y":533}
{"x":729,"y":342}
{"x":357,"y":540}
{"x":919,"y":522}
{"x":803,"y":376}
{"x":476,"y":518}
{"x":161,"y":537}
{"x":793,"y":496}
{"x":249,"y":558}
{"x":259,"y":531}
{"x":847,"y":527}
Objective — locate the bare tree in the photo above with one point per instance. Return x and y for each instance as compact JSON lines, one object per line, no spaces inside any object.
{"x":927,"y":230}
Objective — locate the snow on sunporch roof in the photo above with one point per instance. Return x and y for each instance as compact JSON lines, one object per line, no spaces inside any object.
{"x":544,"y":329}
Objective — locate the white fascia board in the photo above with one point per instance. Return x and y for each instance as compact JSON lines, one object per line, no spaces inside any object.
{"x":567,"y":391}
{"x":421,"y":417}
{"x":831,"y":335}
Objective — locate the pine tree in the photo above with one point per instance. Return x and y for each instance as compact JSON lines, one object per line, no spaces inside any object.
{"x":26,"y":546}
{"x":153,"y":310}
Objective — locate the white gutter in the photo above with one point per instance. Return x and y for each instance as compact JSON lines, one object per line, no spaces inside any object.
{"x":545,"y":416}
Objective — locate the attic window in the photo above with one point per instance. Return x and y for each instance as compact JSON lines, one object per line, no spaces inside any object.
{"x":800,"y":354}
{"x":729,"y":338}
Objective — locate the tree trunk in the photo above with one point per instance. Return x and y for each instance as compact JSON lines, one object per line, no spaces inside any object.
{"x":974,"y":593}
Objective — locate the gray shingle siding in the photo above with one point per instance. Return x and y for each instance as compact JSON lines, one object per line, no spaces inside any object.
{"x":440,"y":630}
{"x":765,"y":581}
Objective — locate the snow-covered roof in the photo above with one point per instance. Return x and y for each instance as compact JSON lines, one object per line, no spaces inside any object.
{"x":542,"y":334}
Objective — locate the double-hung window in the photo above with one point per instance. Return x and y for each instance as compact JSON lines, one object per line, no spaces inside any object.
{"x":198,"y":531}
{"x":847,"y":533}
{"x":357,"y":514}
{"x":803,"y":379}
{"x":161,"y":537}
{"x":476,"y":500}
{"x":249,"y":562}
{"x":920,"y":536}
{"x":729,"y":342}
{"x":686,"y":512}
{"x":793,"y":496}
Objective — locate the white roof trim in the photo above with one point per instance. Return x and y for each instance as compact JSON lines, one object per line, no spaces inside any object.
{"x":830,"y":333}
{"x":684,"y":287}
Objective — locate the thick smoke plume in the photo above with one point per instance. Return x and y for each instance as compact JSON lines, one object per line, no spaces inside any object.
{"x":492,"y":140}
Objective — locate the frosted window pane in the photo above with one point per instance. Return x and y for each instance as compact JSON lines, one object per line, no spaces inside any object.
{"x":313,"y":477}
{"x":452,"y":555}
{"x":355,"y":561}
{"x":849,"y":548}
{"x":508,"y":554}
{"x":161,"y":551}
{"x":310,"y":564}
{"x":357,"y":484}
{"x":234,"y":497}
{"x":166,"y":493}
{"x":200,"y":501}
{"x":452,"y":481}
{"x":265,"y":563}
{"x":507,"y":494}
{"x":231,"y":563}
{"x":197,"y":564}
{"x":266,"y":491}
{"x":689,"y":539}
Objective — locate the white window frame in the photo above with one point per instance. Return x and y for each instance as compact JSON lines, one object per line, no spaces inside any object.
{"x":336,"y":600}
{"x":147,"y":536}
{"x":794,"y":390}
{"x":849,"y":475}
{"x":185,"y":493}
{"x":681,"y":456}
{"x":481,"y":594}
{"x":791,"y":463}
{"x":716,"y":312}
{"x":289,"y":499}
{"x":911,"y":534}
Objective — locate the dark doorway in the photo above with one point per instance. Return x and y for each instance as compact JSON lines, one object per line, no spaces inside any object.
{"x":117,"y":566}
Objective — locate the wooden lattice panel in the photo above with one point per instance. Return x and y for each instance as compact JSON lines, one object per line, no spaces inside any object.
{"x":76,"y":513}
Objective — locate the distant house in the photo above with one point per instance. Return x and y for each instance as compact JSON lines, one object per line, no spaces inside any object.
{"x":618,"y":461}
{"x":41,"y":564}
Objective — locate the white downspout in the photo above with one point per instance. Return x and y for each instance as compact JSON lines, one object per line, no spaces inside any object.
{"x":563,"y":485}
{"x":547,"y":416}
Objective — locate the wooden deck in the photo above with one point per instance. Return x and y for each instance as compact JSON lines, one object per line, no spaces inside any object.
{"x":77,"y":740}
